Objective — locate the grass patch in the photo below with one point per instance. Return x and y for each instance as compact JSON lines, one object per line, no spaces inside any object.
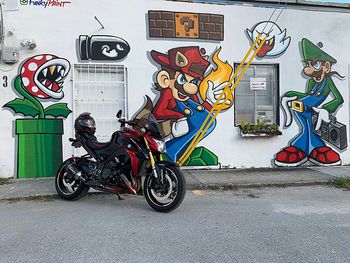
{"x":37,"y":198}
{"x":5,"y":181}
{"x":343,"y":182}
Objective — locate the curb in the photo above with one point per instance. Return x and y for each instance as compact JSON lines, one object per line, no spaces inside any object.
{"x":190,"y":187}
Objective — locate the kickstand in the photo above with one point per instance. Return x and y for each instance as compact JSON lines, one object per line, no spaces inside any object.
{"x":120,"y":198}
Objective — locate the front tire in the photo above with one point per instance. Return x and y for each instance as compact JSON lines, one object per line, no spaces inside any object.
{"x":168,"y":195}
{"x":67,"y":188}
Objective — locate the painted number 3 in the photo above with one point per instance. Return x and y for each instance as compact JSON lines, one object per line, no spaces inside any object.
{"x":4,"y":84}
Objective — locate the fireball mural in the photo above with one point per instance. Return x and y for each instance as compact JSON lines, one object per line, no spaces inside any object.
{"x":277,"y":40}
{"x":217,"y":79}
{"x":187,"y":92}
{"x":40,"y":138}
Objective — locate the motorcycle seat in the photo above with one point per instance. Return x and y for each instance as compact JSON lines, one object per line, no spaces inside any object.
{"x":95,"y":145}
{"x":97,"y":148}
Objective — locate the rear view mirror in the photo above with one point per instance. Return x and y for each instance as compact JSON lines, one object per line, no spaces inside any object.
{"x":119,"y":114}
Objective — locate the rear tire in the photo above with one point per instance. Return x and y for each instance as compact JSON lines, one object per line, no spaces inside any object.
{"x":69,"y":189}
{"x":169,"y":195}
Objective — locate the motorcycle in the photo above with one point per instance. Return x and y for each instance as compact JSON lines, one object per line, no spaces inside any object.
{"x":131,"y":162}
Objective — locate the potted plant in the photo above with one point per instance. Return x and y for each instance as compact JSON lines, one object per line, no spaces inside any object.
{"x":262,"y":128}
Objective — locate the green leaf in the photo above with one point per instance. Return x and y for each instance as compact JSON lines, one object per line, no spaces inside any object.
{"x":24,"y":106}
{"x":58,"y":109}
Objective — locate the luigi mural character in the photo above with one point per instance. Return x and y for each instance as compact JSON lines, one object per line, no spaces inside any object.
{"x":180,"y":109}
{"x":308,"y":145}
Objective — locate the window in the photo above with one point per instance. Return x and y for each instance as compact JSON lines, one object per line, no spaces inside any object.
{"x":100,"y":90}
{"x":257,"y":95}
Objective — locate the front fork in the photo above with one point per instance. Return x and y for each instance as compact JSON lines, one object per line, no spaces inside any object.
{"x":155,"y":169}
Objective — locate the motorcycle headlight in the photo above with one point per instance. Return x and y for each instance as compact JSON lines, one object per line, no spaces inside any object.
{"x":160,"y":145}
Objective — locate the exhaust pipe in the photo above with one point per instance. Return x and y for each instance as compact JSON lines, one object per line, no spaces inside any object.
{"x":75,"y":173}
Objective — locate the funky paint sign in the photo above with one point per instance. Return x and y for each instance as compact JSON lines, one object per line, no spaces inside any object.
{"x":45,"y":4}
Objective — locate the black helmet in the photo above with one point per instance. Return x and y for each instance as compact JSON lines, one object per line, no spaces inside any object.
{"x":85,"y":123}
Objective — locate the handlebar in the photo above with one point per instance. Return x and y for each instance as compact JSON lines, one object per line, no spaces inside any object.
{"x":75,"y":142}
{"x":131,"y":123}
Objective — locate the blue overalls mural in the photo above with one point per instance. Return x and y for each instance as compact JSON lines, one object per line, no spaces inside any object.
{"x":313,"y":117}
{"x":196,"y":114}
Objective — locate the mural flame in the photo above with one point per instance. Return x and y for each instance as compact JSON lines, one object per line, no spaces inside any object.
{"x":218,"y":76}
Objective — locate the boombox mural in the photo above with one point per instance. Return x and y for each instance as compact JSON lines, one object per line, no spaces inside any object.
{"x":317,"y":121}
{"x":187,"y":91}
{"x":39,"y":144}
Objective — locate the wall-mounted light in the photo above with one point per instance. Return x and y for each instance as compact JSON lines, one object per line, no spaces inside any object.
{"x":28,"y":43}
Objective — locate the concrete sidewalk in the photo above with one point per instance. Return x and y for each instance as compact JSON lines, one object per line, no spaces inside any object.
{"x":205,"y":179}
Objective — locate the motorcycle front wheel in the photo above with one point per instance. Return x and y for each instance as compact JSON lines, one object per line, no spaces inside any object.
{"x":68,"y":188}
{"x":166,"y":193}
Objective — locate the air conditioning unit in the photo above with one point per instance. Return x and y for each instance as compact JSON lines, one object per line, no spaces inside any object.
{"x":10,"y":55}
{"x":264,"y":113}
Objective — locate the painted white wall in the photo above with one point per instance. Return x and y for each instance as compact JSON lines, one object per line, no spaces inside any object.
{"x":56,"y":29}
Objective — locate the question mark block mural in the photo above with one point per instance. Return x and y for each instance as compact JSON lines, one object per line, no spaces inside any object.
{"x":186,"y":25}
{"x":165,"y":24}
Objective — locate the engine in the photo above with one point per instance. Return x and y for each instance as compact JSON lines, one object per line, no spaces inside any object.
{"x":110,"y":172}
{"x":89,"y":168}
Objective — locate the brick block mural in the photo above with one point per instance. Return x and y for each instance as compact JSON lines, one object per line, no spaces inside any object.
{"x":165,"y":24}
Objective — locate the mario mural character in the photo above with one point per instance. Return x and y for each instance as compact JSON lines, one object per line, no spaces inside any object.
{"x":311,"y":111}
{"x":180,"y":109}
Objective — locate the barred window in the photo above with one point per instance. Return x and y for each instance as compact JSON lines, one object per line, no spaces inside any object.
{"x":257,"y":95}
{"x":102,"y":91}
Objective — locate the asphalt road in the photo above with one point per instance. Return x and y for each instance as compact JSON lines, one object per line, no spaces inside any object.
{"x":296,"y":224}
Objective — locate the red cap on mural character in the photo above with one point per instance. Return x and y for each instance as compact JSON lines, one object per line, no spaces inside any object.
{"x":188,"y":60}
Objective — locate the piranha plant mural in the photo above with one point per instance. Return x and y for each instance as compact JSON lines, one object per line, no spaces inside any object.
{"x":40,"y":138}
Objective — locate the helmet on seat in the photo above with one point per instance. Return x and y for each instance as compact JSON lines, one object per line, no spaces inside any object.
{"x":85,"y":123}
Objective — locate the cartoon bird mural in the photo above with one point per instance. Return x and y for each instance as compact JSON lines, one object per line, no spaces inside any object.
{"x":277,"y":40}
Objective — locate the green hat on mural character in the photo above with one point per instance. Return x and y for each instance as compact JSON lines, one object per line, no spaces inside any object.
{"x":311,"y":52}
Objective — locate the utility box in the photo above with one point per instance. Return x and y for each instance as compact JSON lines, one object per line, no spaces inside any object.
{"x":264,"y":113}
{"x":10,"y":55}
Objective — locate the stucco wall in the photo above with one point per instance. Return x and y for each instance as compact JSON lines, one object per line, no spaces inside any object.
{"x":56,"y":29}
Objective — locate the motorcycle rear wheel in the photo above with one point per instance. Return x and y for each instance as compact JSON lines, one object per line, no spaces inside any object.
{"x":69,"y":189}
{"x":168,"y":195}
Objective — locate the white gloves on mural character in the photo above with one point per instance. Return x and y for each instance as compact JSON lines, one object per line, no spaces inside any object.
{"x":286,"y":107}
{"x":213,"y":93}
{"x":323,"y":115}
{"x":180,"y":127}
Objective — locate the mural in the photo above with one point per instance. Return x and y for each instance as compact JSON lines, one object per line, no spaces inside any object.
{"x":315,"y":117}
{"x":102,"y":47}
{"x":276,"y":43}
{"x":39,"y":146}
{"x":187,"y":92}
{"x":165,"y":24}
